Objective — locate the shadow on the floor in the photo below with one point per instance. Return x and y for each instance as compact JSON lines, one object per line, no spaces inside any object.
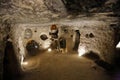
{"x":110,"y":68}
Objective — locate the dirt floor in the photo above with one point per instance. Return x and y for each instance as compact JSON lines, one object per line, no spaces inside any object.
{"x":56,"y":66}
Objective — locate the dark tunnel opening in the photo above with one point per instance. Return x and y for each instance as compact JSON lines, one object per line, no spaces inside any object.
{"x":11,"y":66}
{"x":82,"y":6}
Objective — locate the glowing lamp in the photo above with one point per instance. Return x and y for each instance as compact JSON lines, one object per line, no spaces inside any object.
{"x":49,"y":50}
{"x":81,"y":51}
{"x":118,"y":45}
{"x":24,"y":63}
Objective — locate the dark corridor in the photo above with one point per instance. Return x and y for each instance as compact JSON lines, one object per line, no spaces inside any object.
{"x":11,"y":66}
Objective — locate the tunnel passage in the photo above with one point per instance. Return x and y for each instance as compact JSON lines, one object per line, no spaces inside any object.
{"x":77,"y":6}
{"x":32,"y":47}
{"x":11,"y":66}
